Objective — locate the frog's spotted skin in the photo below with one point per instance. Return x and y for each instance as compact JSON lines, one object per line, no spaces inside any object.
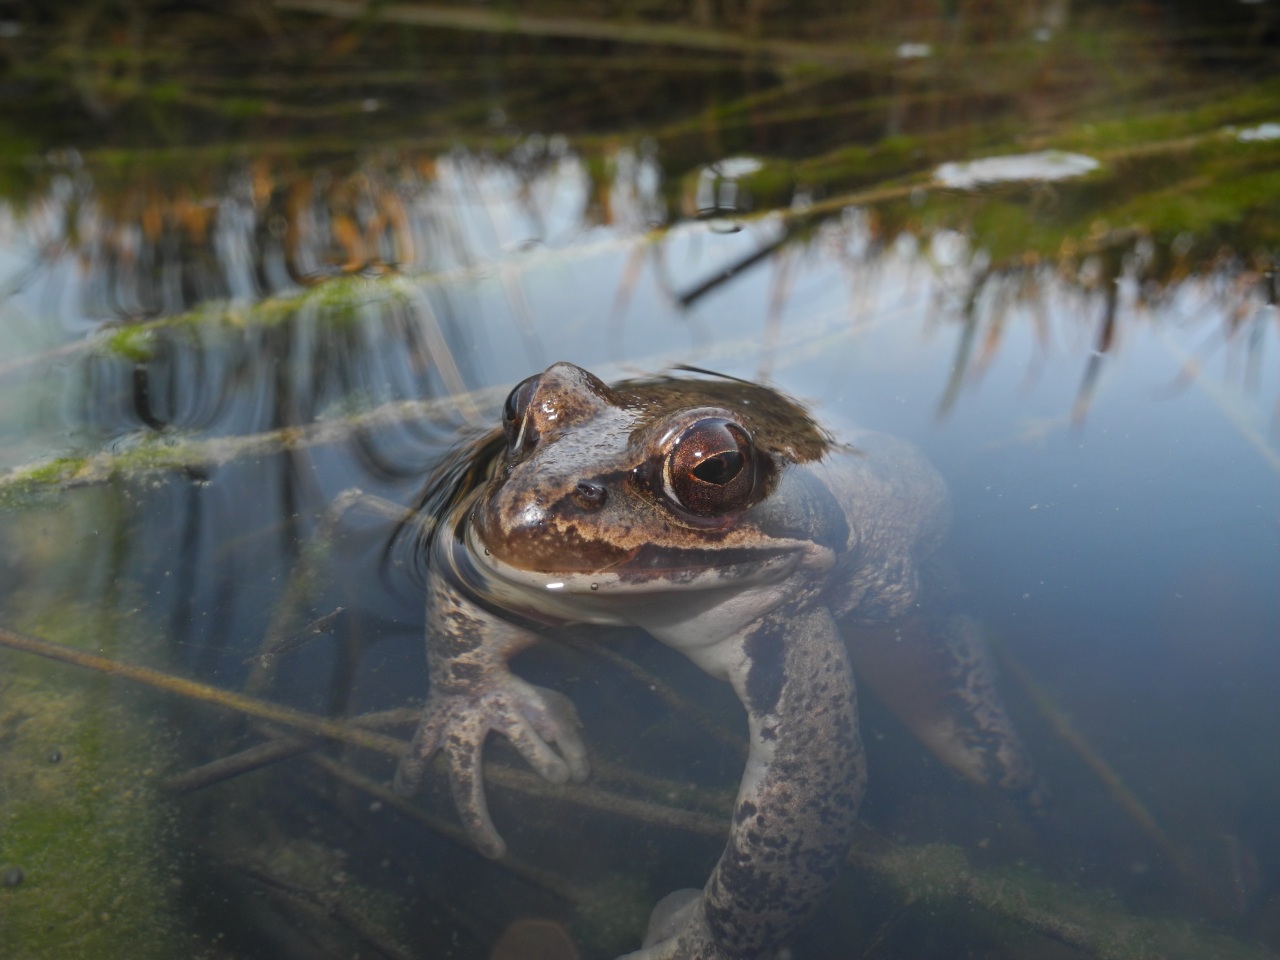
{"x":716,"y":515}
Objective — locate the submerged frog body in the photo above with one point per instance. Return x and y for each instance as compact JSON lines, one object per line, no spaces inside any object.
{"x":719,"y":517}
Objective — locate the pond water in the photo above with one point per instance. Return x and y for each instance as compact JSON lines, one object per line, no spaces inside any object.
{"x":228,"y":302}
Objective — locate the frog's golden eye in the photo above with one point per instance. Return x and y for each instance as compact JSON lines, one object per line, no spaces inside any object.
{"x":514,"y":412}
{"x":711,"y":468}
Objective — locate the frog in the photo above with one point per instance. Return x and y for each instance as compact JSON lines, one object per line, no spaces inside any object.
{"x":718,"y":516}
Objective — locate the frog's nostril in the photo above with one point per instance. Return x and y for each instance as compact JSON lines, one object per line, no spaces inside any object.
{"x":588,"y":495}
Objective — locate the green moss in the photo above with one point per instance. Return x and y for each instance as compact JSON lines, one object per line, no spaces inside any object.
{"x":1212,"y":187}
{"x":55,"y":471}
{"x":80,"y":815}
{"x":931,"y":872}
{"x":168,"y":91}
{"x":23,"y":485}
{"x":1014,"y":900}
{"x":19,"y":487}
{"x":133,"y":343}
{"x":338,"y":300}
{"x":1139,"y":131}
{"x":1213,"y":197}
{"x":243,"y":107}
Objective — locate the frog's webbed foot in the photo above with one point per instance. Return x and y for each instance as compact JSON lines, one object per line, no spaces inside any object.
{"x":677,"y":929}
{"x":937,"y":677}
{"x":541,"y":724}
{"x":983,"y":728}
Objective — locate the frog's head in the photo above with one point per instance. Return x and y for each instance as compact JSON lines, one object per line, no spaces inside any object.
{"x":652,"y":484}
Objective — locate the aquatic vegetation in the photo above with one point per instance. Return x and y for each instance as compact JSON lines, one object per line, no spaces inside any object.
{"x":82,"y":820}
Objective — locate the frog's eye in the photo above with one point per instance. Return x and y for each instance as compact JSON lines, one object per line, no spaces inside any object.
{"x":711,"y":468}
{"x":514,"y":410}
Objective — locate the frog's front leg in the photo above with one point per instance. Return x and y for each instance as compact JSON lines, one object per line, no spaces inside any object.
{"x":796,"y":808}
{"x":472,"y":693}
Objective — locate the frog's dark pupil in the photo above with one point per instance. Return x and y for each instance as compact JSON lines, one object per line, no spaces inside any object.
{"x":719,"y":469}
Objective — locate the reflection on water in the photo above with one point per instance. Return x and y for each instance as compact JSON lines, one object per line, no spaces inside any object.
{"x":199,"y":358}
{"x":483,"y":246}
{"x":1044,"y":166}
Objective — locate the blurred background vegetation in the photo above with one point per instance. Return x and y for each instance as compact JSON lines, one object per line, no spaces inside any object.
{"x":140,"y":129}
{"x":836,"y":97}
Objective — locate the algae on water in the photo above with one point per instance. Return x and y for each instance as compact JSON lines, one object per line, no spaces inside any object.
{"x":83,"y":830}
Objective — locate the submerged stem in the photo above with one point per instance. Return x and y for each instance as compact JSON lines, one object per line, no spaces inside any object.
{"x":193,"y":690}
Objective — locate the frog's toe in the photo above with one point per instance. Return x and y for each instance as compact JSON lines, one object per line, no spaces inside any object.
{"x":556,"y":721}
{"x":677,"y":929}
{"x":413,"y":765}
{"x":535,"y":748}
{"x":541,"y":724}
{"x":466,"y":779}
{"x":408,"y":776}
{"x":670,"y":915}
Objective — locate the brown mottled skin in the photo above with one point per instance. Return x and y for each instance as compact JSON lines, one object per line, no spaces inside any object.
{"x":718,"y":516}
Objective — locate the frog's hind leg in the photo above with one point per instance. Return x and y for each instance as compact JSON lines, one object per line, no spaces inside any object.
{"x":937,"y":677}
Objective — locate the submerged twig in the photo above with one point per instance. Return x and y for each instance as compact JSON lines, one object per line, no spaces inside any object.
{"x":1121,"y":794}
{"x":356,"y":735}
{"x":278,"y":747}
{"x":193,"y":690}
{"x":316,"y":628}
{"x":237,"y":764}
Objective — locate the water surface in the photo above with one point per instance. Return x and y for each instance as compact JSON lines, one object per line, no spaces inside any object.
{"x":1043,"y":248}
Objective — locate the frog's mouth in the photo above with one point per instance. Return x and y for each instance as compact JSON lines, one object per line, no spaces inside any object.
{"x":656,"y":569}
{"x":676,"y":563}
